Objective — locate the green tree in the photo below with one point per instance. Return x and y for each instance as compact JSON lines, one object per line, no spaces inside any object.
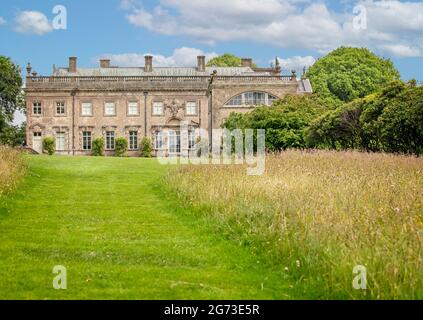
{"x":10,"y":91}
{"x":285,"y":121}
{"x":13,"y":136}
{"x":347,"y":73}
{"x":391,"y":121}
{"x":226,"y":60}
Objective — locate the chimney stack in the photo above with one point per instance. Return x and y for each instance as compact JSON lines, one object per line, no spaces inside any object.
{"x":148,"y":66}
{"x":104,"y":63}
{"x":201,"y":63}
{"x":247,"y":62}
{"x":72,"y":64}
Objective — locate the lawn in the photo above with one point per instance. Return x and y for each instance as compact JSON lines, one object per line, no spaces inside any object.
{"x":120,"y":236}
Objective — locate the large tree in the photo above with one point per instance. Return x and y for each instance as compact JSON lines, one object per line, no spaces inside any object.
{"x":10,"y":88}
{"x":226,"y":60}
{"x":10,"y":94}
{"x":347,"y":73}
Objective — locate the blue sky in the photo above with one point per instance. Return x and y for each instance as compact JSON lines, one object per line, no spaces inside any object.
{"x":175,"y":31}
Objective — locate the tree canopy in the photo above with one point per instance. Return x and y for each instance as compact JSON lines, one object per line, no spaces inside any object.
{"x":391,"y":121}
{"x":10,"y":88}
{"x":347,"y":73}
{"x":226,"y":60}
{"x":10,"y":100}
{"x":285,"y":121}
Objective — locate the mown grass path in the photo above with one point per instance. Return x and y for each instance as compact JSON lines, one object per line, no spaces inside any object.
{"x":119,"y":236}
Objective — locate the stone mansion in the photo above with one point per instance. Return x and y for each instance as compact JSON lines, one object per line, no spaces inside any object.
{"x":77,"y":105}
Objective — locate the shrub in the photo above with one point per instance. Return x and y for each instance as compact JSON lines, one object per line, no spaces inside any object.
{"x":48,"y":145}
{"x":98,"y":147}
{"x":146,"y":148}
{"x":121,"y":147}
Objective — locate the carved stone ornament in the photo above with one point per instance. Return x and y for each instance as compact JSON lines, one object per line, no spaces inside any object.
{"x":174,"y":106}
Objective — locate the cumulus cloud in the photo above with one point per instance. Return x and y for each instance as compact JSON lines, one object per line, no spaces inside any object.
{"x":296,"y":63}
{"x":393,"y":26}
{"x":2,"y":21}
{"x":32,"y":22}
{"x":181,"y":57}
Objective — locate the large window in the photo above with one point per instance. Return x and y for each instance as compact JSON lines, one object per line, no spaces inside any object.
{"x":158,"y":140}
{"x":110,"y":109}
{"x":86,"y":140}
{"x":158,"y":109}
{"x":60,"y":141}
{"x":252,"y":99}
{"x":133,"y":140}
{"x":174,"y":141}
{"x":191,"y":109}
{"x":36,"y":109}
{"x":87,"y":109}
{"x":133,"y":109}
{"x":60,"y":108}
{"x":110,"y":140}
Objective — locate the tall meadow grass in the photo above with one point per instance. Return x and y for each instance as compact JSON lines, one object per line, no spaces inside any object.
{"x":315,"y":215}
{"x":12,"y":169}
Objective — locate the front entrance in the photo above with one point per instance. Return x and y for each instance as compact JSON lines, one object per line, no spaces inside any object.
{"x":37,"y":142}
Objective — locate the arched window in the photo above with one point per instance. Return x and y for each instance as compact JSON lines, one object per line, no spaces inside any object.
{"x":252,"y":99}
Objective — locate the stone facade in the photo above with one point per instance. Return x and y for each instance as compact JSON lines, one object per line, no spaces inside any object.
{"x":59,"y":105}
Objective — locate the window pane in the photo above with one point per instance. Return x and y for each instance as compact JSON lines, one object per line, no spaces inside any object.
{"x":110,"y":140}
{"x":191,"y":108}
{"x":133,"y":140}
{"x":60,"y":108}
{"x":36,"y":108}
{"x":110,"y":109}
{"x":86,"y":140}
{"x":87,"y":109}
{"x":60,"y":141}
{"x":158,"y":108}
{"x":249,"y":98}
{"x":174,"y":142}
{"x":132,"y":108}
{"x":158,"y":140}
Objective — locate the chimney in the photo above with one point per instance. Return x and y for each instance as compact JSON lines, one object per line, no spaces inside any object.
{"x":201,"y":63}
{"x":104,"y":63}
{"x":247,"y":62}
{"x":72,"y":64}
{"x":148,"y":66}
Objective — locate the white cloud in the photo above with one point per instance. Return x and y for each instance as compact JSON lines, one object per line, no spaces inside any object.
{"x":2,"y":21}
{"x":32,"y":22}
{"x":296,"y":63}
{"x":401,"y":50}
{"x":181,"y":57}
{"x":393,"y":25}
